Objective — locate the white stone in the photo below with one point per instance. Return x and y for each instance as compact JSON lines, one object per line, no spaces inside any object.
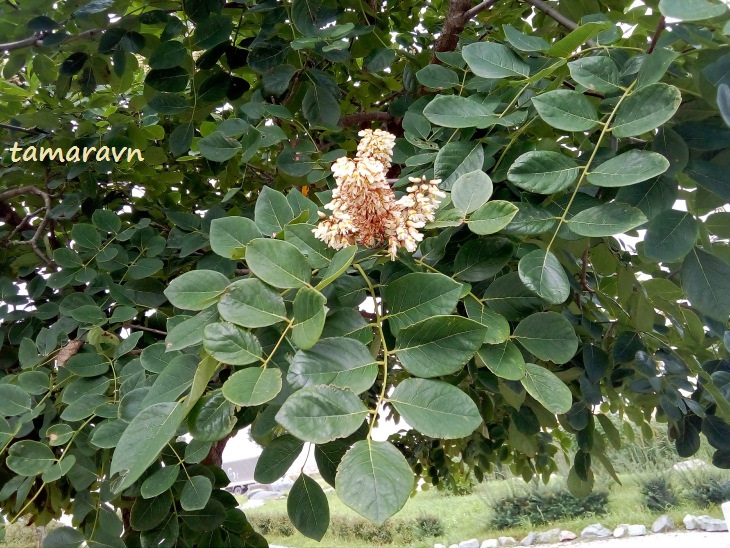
{"x":690,"y":465}
{"x":621,"y":531}
{"x":662,"y":524}
{"x":548,"y":537}
{"x":453,"y":546}
{"x":490,"y":543}
{"x":567,"y":536}
{"x":439,"y":546}
{"x":529,"y":540}
{"x":637,"y":530}
{"x":596,"y":530}
{"x":471,"y":543}
{"x":506,"y":541}
{"x":711,"y":525}
{"x":690,"y":522}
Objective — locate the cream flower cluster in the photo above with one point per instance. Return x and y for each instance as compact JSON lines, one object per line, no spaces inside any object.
{"x":364,"y":208}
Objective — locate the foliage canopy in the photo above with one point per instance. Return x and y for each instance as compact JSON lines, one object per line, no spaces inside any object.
{"x":187,"y":294}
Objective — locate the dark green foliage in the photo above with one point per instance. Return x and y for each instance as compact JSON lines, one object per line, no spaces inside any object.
{"x":705,"y":490}
{"x":541,"y":507}
{"x":659,"y":494}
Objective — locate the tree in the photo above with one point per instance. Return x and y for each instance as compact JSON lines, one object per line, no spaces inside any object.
{"x":192,"y":292}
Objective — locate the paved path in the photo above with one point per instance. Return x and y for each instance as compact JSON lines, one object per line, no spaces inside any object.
{"x":664,"y":540}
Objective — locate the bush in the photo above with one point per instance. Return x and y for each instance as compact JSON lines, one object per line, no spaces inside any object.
{"x":403,"y":531}
{"x":705,"y":491}
{"x":659,"y":494}
{"x":541,"y":507}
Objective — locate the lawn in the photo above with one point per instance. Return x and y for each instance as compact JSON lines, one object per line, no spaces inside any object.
{"x":468,"y":516}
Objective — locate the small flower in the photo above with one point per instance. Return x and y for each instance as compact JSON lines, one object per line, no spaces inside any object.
{"x":364,"y":208}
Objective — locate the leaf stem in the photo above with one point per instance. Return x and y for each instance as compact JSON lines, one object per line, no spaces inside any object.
{"x":604,"y":132}
{"x":278,"y":343}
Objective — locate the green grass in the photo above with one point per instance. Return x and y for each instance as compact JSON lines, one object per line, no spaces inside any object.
{"x":468,"y":516}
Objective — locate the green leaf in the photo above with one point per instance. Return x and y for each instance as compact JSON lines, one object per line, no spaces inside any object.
{"x":168,"y":55}
{"x":318,"y":254}
{"x":628,"y":168}
{"x":170,"y":79}
{"x":492,"y":60}
{"x":196,"y":290}
{"x":497,"y":327}
{"x":231,"y":344}
{"x":305,"y":16}
{"x":63,"y":537}
{"x":230,"y":235}
{"x":606,"y":220}
{"x":567,"y":110}
{"x":142,"y":441}
{"x":160,"y":481}
{"x":504,"y":360}
{"x":218,"y":147}
{"x":670,"y":236}
{"x":212,"y":31}
{"x":723,"y":102}
{"x":212,"y":418}
{"x":29,"y":458}
{"x":548,"y":336}
{"x":196,"y":493}
{"x":543,"y":172}
{"x":456,"y":159}
{"x":276,"y":81}
{"x":541,"y":272}
{"x":439,"y":345}
{"x":307,"y":507}
{"x":374,"y":479}
{"x":437,"y":77}
{"x":338,"y":361}
{"x":436,"y":409}
{"x":479,"y":260}
{"x":524,"y":42}
{"x":309,"y":315}
{"x":272,"y":211}
{"x":655,"y":66}
{"x":646,"y":109}
{"x":547,"y":389}
{"x":471,"y":191}
{"x":189,"y":332}
{"x":417,"y":296}
{"x":87,"y":365}
{"x":492,"y":217}
{"x":14,"y":400}
{"x":459,"y":112}
{"x":276,"y":458}
{"x":252,"y":386}
{"x":337,"y":267}
{"x":578,"y":37}
{"x":691,"y":10}
{"x":320,"y":107}
{"x":319,"y":414}
{"x":706,"y":282}
{"x":596,"y":73}
{"x":175,"y":379}
{"x":278,"y":263}
{"x":251,"y":303}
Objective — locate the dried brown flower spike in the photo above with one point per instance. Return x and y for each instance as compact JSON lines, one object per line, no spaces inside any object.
{"x":364,"y":208}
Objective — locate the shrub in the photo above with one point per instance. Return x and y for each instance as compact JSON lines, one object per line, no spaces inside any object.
{"x":706,"y":490}
{"x":541,"y":507}
{"x":271,"y":524}
{"x":659,"y":494}
{"x":429,"y":526}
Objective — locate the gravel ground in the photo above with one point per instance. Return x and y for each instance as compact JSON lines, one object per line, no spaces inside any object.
{"x":663,"y":540}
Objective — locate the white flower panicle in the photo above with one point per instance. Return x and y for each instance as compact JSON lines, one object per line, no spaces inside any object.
{"x":364,"y":208}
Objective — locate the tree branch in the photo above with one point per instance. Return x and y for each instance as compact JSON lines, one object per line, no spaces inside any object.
{"x":67,"y":352}
{"x":453,"y":26}
{"x":657,"y":34}
{"x":30,"y":131}
{"x":145,"y":328}
{"x":40,"y":229}
{"x":557,"y":16}
{"x":361,"y":117}
{"x":479,"y":8}
{"x":37,"y":39}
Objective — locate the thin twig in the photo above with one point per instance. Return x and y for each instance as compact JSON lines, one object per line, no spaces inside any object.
{"x":657,"y":34}
{"x":145,"y":328}
{"x":361,"y":117}
{"x":584,"y":271}
{"x":37,"y":39}
{"x":479,"y":8}
{"x":557,"y":16}
{"x":40,"y":229}
{"x":30,"y":130}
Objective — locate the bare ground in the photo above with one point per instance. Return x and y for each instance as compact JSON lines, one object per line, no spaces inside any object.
{"x":683,"y":539}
